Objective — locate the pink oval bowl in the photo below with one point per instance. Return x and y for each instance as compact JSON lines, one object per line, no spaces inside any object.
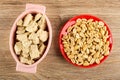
{"x":72,"y":22}
{"x":30,"y":8}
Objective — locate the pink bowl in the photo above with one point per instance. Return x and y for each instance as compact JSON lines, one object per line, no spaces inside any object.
{"x":71,"y":22}
{"x":30,"y":8}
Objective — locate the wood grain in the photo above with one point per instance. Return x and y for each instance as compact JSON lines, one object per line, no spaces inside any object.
{"x":54,"y":66}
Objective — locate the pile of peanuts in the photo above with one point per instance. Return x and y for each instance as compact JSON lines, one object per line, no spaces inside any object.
{"x":31,"y":38}
{"x":86,"y":42}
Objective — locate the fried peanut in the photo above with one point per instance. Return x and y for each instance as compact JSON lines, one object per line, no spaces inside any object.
{"x":86,"y":63}
{"x":86,"y":39}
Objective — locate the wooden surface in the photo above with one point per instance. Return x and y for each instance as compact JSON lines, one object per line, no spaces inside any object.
{"x":54,"y":66}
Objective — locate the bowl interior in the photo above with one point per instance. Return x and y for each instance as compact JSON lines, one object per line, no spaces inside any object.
{"x":71,"y":22}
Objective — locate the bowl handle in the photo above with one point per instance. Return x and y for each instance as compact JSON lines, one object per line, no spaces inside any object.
{"x":40,"y":8}
{"x":22,"y":68}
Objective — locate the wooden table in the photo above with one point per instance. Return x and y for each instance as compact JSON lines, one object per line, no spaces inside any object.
{"x":54,"y":66}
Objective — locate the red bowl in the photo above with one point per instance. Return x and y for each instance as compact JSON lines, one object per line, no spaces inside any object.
{"x":71,"y":22}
